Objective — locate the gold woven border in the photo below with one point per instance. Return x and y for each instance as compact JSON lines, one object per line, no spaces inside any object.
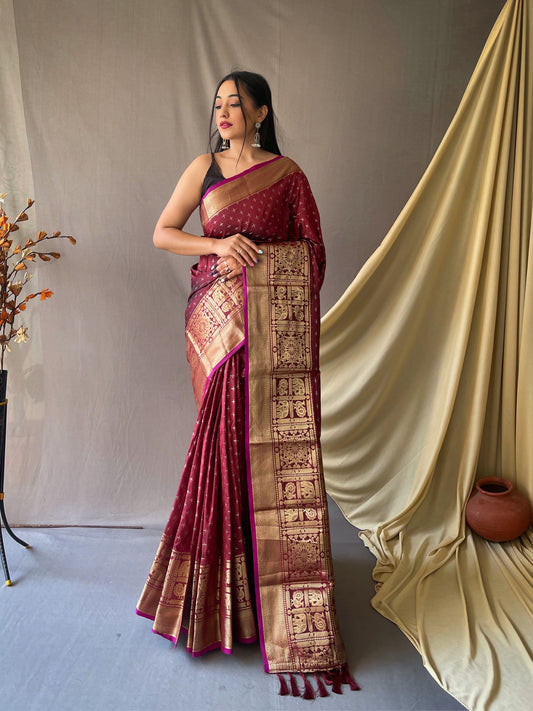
{"x":295,"y":575}
{"x":232,"y":191}
{"x":215,"y":328}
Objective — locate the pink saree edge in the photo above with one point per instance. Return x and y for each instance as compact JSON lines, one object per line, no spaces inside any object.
{"x":249,"y":473}
{"x":161,"y":634}
{"x":239,"y":175}
{"x":210,"y":648}
{"x":218,"y":645}
{"x":143,"y":614}
{"x":174,"y":640}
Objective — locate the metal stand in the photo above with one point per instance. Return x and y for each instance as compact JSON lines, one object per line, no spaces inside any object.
{"x":3,"y":518}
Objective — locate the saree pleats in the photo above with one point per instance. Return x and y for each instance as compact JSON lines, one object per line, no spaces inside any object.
{"x":199,"y":579}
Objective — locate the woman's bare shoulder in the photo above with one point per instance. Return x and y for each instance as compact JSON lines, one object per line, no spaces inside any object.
{"x":192,"y":177}
{"x":200,"y":164}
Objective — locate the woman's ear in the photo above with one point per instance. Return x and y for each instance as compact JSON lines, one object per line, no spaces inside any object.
{"x":262,"y":113}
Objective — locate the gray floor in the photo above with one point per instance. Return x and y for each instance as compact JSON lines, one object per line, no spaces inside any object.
{"x":70,"y":640}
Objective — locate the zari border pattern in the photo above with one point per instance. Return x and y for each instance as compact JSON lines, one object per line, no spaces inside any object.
{"x":293,"y":568}
{"x":214,"y":331}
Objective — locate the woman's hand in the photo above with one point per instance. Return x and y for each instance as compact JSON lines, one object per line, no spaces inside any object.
{"x":240,"y":248}
{"x":227,"y":268}
{"x":234,"y":253}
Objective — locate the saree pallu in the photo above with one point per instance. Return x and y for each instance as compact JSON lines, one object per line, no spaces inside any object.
{"x":254,"y":470}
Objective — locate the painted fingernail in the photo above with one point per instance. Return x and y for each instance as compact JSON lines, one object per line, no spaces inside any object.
{"x":223,"y":279}
{"x":260,"y":251}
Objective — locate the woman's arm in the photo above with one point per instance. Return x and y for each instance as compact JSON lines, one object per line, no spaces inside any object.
{"x":169,"y":234}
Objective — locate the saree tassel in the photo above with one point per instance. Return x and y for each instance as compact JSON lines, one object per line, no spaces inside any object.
{"x":333,"y":678}
{"x":347,"y":678}
{"x":336,"y":686}
{"x":295,"y":691}
{"x":283,"y":688}
{"x":322,"y":691}
{"x":308,"y":689}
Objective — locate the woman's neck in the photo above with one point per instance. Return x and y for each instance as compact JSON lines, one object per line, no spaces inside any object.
{"x":236,"y":161}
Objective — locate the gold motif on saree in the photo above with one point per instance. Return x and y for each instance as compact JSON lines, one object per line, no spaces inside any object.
{"x":311,"y":626}
{"x":214,"y":329}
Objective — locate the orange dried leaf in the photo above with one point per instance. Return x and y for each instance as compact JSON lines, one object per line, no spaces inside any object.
{"x":22,"y":217}
{"x":55,"y":255}
{"x":13,"y":228}
{"x":20,"y":266}
{"x":72,"y":240}
{"x":30,"y":202}
{"x":29,"y":243}
{"x":56,"y":234}
{"x":22,"y":306}
{"x":17,"y":249}
{"x":44,"y":257}
{"x":41,"y":236}
{"x":46,"y":294}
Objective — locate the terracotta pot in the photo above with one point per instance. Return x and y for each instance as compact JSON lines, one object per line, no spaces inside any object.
{"x":496,"y":510}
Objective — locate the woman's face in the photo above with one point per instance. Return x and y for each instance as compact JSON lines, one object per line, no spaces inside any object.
{"x":229,"y":116}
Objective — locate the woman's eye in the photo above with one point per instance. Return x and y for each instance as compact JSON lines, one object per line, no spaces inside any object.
{"x":218,"y":108}
{"x":234,"y":106}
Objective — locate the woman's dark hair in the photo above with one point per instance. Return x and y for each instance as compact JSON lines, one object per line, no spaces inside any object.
{"x":258,"y":90}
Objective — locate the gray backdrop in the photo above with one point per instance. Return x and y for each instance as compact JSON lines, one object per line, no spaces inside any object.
{"x":102,"y":105}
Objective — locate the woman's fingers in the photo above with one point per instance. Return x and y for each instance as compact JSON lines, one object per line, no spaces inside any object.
{"x":242,"y":249}
{"x":224,"y":265}
{"x":227,"y":268}
{"x":245,"y":256}
{"x":249,"y":251}
{"x":228,"y":273}
{"x":232,"y":273}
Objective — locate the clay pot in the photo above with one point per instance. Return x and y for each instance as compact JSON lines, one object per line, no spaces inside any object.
{"x":496,"y":510}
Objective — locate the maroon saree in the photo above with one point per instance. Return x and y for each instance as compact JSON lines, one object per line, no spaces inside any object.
{"x":253,"y":474}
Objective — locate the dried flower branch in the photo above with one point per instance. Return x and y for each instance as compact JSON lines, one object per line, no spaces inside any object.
{"x":12,"y":263}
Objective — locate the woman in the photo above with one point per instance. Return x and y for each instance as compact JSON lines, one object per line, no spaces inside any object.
{"x":246,"y":550}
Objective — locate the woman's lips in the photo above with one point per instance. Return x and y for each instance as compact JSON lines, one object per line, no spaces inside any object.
{"x":225,"y":124}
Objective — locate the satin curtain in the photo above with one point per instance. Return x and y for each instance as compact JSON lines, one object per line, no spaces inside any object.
{"x":427,"y":365}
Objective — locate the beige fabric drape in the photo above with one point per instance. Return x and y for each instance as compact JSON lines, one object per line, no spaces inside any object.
{"x":427,"y":364}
